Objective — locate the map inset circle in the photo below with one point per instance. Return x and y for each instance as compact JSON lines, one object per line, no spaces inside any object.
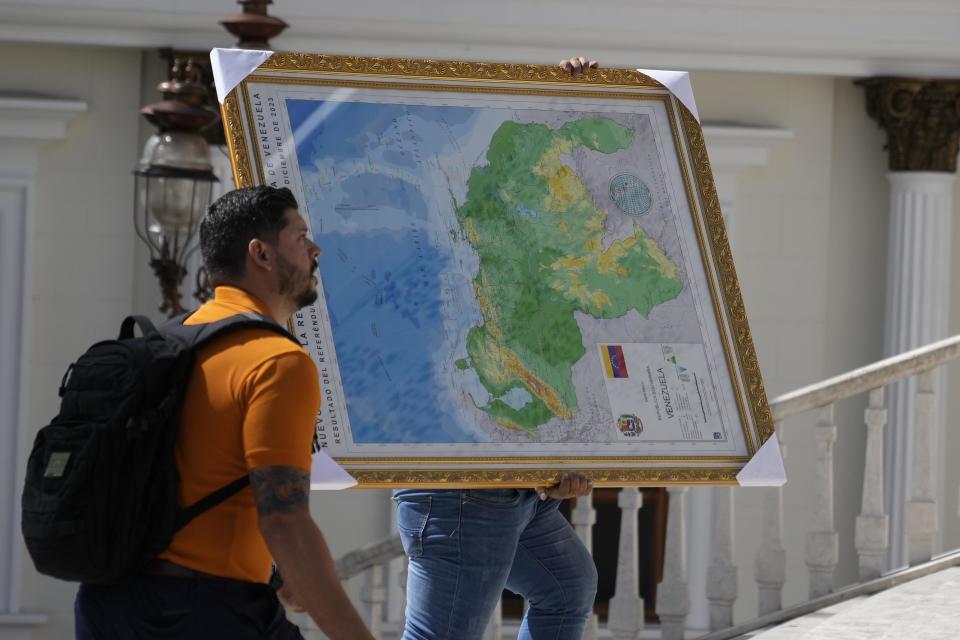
{"x":631,"y":194}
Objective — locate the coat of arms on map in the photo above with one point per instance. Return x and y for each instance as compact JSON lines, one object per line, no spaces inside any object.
{"x":522,"y":272}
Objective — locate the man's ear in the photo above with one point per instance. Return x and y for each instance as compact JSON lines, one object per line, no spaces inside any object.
{"x":260,"y":255}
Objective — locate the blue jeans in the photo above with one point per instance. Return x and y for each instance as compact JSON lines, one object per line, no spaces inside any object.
{"x":466,"y":546}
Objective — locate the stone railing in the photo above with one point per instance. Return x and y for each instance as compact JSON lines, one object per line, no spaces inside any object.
{"x":626,"y":620}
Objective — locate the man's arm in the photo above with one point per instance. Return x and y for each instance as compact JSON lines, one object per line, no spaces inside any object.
{"x":301,"y":553}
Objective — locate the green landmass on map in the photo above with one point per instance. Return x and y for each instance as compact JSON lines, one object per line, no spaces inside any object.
{"x":539,"y":238}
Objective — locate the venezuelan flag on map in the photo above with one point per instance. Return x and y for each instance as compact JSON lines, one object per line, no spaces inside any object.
{"x":614,"y":362}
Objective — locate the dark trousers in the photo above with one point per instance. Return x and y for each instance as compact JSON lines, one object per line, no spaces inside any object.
{"x":154,"y":607}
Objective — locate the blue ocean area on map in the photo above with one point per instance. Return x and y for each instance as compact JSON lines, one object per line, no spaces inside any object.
{"x":348,"y":130}
{"x":375,"y":190}
{"x":385,"y":250}
{"x":389,"y":378}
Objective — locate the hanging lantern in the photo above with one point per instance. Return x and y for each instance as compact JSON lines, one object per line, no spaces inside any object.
{"x":174,"y":179}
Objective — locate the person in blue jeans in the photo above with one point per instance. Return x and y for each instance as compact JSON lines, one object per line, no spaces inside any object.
{"x":466,"y":546}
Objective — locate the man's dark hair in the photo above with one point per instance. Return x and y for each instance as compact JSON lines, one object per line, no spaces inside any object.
{"x":236,"y":218}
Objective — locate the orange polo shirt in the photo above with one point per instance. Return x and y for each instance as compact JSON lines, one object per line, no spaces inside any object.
{"x":251,"y":402}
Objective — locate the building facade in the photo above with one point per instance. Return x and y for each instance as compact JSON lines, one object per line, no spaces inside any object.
{"x":845,"y":250}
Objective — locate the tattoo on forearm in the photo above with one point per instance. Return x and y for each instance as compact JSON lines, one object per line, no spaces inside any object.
{"x":279,"y":489}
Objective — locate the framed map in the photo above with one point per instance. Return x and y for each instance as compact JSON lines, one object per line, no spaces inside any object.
{"x":522,"y":272}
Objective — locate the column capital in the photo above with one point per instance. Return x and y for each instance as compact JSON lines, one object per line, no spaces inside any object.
{"x":922,"y":119}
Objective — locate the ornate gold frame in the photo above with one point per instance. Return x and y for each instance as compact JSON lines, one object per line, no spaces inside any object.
{"x":472,"y":77}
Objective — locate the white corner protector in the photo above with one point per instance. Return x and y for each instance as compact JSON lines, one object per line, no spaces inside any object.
{"x":678,"y":82}
{"x":765,"y":468}
{"x":231,"y":66}
{"x":327,"y":475}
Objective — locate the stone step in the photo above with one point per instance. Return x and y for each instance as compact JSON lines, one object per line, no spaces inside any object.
{"x":927,"y":608}
{"x":794,"y":629}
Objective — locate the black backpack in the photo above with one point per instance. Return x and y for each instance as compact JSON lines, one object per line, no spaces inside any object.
{"x":100,"y":497}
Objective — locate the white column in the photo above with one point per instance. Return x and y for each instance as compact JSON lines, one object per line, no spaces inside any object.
{"x":732,"y":150}
{"x":922,"y":509}
{"x":494,"y":629}
{"x":822,"y":542}
{"x":402,"y":581}
{"x":918,"y":293}
{"x":396,"y":578}
{"x":770,"y":561}
{"x":700,"y":550}
{"x":673,"y":599}
{"x":722,"y":574}
{"x":25,"y":125}
{"x":583,"y":517}
{"x":626,"y":606}
{"x":373,"y":596}
{"x":871,"y":536}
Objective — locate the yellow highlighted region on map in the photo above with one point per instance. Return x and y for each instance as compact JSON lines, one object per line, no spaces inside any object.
{"x":536,"y":386}
{"x":667,"y":268}
{"x":539,"y":236}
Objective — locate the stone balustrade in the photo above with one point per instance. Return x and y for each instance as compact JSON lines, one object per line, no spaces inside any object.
{"x":626,"y":610}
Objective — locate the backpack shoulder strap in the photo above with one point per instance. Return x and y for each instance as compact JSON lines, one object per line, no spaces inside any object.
{"x":211,"y":500}
{"x":195,"y":335}
{"x":126,"y":329}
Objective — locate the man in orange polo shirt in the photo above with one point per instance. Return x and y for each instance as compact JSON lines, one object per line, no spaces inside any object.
{"x":249,"y":409}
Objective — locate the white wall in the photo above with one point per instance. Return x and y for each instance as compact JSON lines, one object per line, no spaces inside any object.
{"x":951,"y":502}
{"x":83,"y":239}
{"x":810,"y":248}
{"x":857,"y":246}
{"x":781,"y":251}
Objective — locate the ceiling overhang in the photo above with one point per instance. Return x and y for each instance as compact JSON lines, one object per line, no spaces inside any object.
{"x":826,"y":37}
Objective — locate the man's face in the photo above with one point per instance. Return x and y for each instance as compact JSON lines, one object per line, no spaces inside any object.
{"x":297,"y":255}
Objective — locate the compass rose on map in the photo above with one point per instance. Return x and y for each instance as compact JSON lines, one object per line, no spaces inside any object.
{"x":631,"y":194}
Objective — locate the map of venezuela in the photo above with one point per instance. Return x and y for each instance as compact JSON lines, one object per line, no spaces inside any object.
{"x":539,"y":237}
{"x":474,"y":257}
